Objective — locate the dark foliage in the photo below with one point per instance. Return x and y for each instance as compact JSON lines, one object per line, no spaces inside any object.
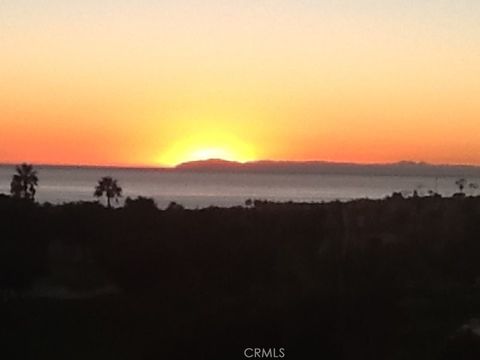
{"x":360,"y":280}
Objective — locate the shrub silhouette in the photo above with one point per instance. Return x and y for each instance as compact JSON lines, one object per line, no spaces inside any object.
{"x":141,"y":204}
{"x":173,"y":206}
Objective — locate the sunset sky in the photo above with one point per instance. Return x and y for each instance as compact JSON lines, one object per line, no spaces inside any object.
{"x":144,"y":82}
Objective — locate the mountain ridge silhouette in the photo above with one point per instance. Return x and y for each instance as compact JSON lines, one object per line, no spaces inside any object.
{"x":407,"y":168}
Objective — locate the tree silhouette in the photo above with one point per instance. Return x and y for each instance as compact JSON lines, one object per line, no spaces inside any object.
{"x":461,"y":183}
{"x":109,"y":187}
{"x":24,"y":182}
{"x":473,"y":187}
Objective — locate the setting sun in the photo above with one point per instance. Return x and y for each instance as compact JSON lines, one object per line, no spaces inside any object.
{"x":212,"y":145}
{"x":212,"y":153}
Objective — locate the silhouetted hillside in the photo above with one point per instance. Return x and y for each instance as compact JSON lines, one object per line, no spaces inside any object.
{"x":389,"y":279}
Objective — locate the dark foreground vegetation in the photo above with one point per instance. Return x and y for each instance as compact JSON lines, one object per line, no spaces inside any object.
{"x":389,"y":279}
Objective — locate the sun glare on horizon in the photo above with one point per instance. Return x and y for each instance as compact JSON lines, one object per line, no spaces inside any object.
{"x":207,"y":146}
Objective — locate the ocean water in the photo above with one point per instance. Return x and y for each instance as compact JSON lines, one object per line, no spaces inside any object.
{"x":198,"y":190}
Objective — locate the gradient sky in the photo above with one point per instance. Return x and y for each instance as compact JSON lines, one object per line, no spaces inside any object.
{"x":149,"y":82}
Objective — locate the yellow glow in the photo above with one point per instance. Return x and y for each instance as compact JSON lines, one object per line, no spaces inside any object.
{"x":128,"y":83}
{"x":205,"y":146}
{"x":212,"y":153}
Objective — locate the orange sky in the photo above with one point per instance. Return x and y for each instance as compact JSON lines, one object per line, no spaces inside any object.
{"x":157,"y":83}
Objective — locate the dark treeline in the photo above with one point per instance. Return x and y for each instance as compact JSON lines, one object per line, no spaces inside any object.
{"x":387,"y":279}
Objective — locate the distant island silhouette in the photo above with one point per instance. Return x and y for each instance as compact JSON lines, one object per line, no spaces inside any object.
{"x":402,"y":168}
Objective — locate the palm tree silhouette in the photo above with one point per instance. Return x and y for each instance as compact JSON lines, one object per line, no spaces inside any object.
{"x":24,"y":182}
{"x":108,"y":186}
{"x":461,"y":183}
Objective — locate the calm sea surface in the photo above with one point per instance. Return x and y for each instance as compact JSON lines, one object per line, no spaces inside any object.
{"x":58,"y":185}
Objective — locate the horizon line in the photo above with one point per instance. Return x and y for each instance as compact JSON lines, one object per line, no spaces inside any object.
{"x":174,"y":167}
